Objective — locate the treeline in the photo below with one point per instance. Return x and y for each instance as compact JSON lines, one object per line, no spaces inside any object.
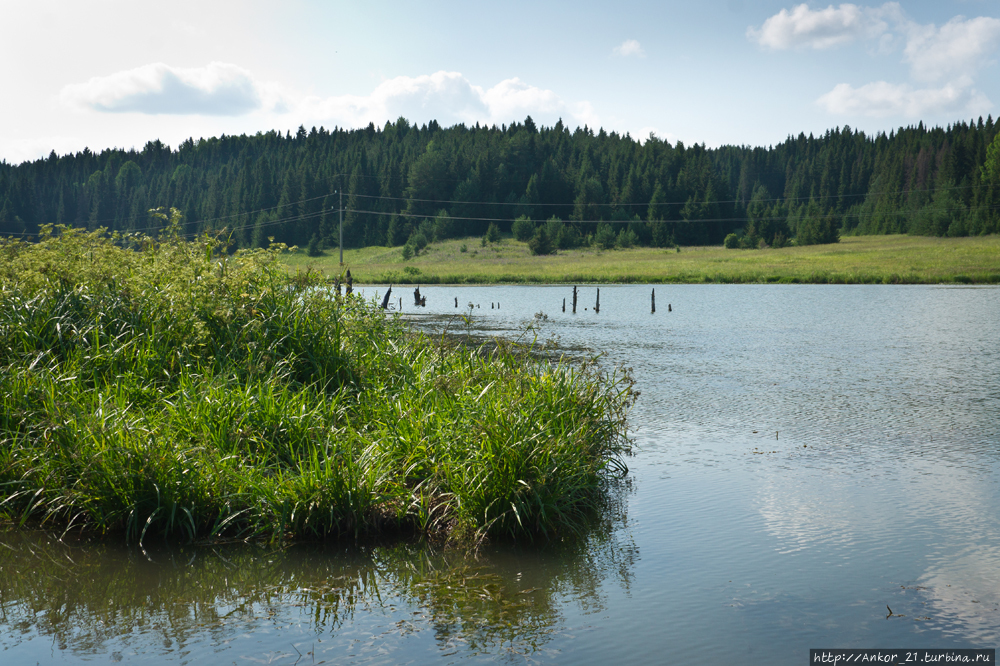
{"x":401,"y":180}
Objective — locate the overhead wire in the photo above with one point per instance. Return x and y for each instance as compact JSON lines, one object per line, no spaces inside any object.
{"x":407,"y":214}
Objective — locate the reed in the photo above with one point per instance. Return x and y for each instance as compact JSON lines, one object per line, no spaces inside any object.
{"x":164,"y":387}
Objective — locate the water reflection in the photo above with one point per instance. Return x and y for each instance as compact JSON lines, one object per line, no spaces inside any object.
{"x":882,"y":490}
{"x":275,"y":603}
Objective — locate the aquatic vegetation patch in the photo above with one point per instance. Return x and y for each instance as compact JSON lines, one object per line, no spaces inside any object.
{"x":166,"y":387}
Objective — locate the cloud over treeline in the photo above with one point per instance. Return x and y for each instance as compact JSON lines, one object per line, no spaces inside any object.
{"x":227,"y":90}
{"x":218,"y":89}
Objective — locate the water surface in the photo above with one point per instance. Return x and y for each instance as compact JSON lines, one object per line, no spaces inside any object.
{"x":808,"y":457}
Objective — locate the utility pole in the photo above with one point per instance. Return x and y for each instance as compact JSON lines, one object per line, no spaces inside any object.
{"x":341,"y":211}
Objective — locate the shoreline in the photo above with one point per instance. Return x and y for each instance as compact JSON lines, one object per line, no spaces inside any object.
{"x":855,"y":260}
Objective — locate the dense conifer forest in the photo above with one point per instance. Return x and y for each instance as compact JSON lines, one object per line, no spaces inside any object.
{"x":401,"y":181}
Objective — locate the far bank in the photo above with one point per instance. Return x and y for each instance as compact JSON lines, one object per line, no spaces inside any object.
{"x":894,"y":259}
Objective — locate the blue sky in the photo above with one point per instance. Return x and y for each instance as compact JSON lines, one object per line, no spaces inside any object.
{"x":104,"y":73}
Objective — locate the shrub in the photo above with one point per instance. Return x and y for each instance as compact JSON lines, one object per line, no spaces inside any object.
{"x":556,"y":229}
{"x":605,"y":236}
{"x":315,"y":247}
{"x":627,"y":238}
{"x":523,"y":228}
{"x":732,"y":242}
{"x":541,"y":243}
{"x":419,"y":241}
{"x":493,"y":233}
{"x":569,"y":236}
{"x":818,"y":230}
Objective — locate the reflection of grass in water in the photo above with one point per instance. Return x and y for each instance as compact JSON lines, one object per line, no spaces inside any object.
{"x":91,"y":597}
{"x":531,"y":337}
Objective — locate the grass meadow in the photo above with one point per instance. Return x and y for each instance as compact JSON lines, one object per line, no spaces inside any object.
{"x":164,"y":388}
{"x":856,"y":259}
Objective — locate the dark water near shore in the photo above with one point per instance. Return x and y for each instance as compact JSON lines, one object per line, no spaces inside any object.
{"x":808,"y":455}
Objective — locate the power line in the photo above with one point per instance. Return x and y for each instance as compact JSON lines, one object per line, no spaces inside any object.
{"x":660,"y":203}
{"x":320,"y":213}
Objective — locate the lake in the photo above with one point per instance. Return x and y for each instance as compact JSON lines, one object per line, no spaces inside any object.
{"x":816,"y":467}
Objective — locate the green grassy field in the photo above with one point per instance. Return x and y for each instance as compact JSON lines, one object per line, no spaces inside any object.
{"x":859,"y":259}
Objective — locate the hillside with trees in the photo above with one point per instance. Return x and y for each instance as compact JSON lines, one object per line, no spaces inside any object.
{"x":400,"y":181}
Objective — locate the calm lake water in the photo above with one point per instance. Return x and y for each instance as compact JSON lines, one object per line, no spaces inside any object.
{"x":808,"y":457}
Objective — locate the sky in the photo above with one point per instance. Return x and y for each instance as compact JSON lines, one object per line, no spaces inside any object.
{"x":118,"y":73}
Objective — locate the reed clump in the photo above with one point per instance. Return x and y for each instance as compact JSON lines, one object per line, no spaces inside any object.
{"x":165,"y":387}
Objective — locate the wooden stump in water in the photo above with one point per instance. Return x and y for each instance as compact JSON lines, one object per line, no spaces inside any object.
{"x":416,"y":295}
{"x":597,"y":306}
{"x":350,"y":282}
{"x":652,"y":302}
{"x":385,"y":301}
{"x":574,"y":299}
{"x":564,"y":305}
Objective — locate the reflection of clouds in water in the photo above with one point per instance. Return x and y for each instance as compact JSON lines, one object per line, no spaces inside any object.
{"x":799,"y":521}
{"x":963,"y":595}
{"x":914,"y":498}
{"x":824,"y":508}
{"x":939,"y":520}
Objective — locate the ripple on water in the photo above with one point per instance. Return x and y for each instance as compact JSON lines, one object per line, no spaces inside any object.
{"x":880,"y":489}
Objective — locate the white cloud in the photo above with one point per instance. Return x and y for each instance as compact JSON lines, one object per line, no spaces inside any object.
{"x":218,"y":89}
{"x":881,"y":99}
{"x":959,"y":47}
{"x":630,"y":47}
{"x":822,"y":28}
{"x":20,"y":149}
{"x":944,"y":60}
{"x":447,"y":97}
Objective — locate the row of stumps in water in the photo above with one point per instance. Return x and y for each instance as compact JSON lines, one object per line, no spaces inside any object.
{"x":421,"y":301}
{"x":597,"y":305}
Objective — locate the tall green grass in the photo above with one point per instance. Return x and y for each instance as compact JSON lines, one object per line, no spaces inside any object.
{"x":163,"y":387}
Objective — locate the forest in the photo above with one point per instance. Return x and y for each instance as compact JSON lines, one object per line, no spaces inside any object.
{"x":401,"y":181}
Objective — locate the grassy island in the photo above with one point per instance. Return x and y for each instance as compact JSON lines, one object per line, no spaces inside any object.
{"x":897,"y":259}
{"x":160,"y":387}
